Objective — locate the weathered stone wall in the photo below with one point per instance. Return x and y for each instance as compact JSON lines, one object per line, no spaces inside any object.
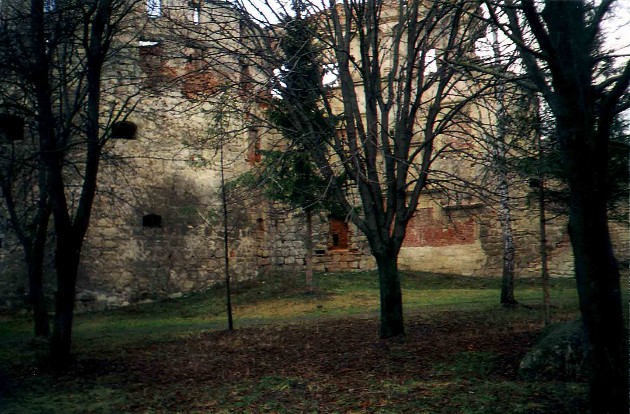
{"x":282,"y":235}
{"x":170,"y":172}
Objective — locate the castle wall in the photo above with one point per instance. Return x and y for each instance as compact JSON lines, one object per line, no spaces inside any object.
{"x":156,"y":229}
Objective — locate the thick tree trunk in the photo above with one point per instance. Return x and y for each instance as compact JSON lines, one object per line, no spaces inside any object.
{"x":67,"y":264}
{"x":600,"y":303}
{"x":308,"y":257}
{"x":391,"y":297}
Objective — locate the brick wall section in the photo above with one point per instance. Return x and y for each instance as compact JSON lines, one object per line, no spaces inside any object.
{"x":424,"y":230}
{"x":339,"y":234}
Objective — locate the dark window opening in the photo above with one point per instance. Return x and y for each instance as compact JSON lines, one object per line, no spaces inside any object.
{"x":253,"y":156}
{"x":339,"y":234}
{"x":152,"y":220}
{"x":260,"y":224}
{"x":124,"y":130}
{"x":152,"y":62}
{"x":11,"y":128}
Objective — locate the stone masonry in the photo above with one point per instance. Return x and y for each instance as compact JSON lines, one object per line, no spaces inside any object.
{"x":156,"y":231}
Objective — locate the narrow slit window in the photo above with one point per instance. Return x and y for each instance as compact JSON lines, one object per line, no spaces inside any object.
{"x":196,"y":11}
{"x":254,"y":156}
{"x":152,"y":220}
{"x":124,"y":130}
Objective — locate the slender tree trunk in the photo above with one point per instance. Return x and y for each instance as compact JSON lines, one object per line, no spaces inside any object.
{"x":36,"y":295}
{"x":33,"y":245}
{"x":544,"y":268}
{"x":499,"y":160}
{"x":391,"y":296}
{"x":507,"y":279}
{"x":36,"y":270}
{"x":67,"y":264}
{"x":542,"y":220}
{"x":224,"y":202}
{"x":308,"y":245}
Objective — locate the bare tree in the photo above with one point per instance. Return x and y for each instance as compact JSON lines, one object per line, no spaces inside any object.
{"x":28,"y":211}
{"x":586,"y":87}
{"x":57,"y":64}
{"x":380,"y":124}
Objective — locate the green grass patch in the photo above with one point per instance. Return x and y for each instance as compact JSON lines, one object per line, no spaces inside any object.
{"x":280,"y":298}
{"x":464,"y":381}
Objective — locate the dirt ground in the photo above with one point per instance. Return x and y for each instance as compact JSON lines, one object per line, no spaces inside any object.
{"x":452,"y":363}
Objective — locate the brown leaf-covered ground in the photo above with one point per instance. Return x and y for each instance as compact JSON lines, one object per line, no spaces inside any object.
{"x":450,"y":362}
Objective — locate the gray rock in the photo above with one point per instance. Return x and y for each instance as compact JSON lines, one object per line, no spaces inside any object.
{"x":559,"y":354}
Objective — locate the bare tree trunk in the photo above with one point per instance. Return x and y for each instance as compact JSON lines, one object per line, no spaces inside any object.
{"x":499,"y":163}
{"x":33,"y":245}
{"x":600,"y":302}
{"x":391,"y":296}
{"x":226,"y":264}
{"x":70,"y":229}
{"x":598,"y":286}
{"x":507,"y":279}
{"x":308,"y":245}
{"x":67,"y":263}
{"x":544,"y":268}
{"x":35,"y":268}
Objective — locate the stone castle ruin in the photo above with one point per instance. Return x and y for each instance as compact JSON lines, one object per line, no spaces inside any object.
{"x":156,"y":226}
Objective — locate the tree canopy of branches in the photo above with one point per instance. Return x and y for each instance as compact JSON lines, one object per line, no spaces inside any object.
{"x":53,"y":59}
{"x":380,"y":122}
{"x":586,"y":88}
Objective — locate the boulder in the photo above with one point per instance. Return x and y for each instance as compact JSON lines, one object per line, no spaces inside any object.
{"x":559,"y":354}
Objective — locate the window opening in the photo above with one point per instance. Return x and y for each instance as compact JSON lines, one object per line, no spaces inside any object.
{"x":50,"y":6}
{"x":152,"y":62}
{"x":152,"y":220}
{"x":124,"y":130}
{"x":253,"y":139}
{"x":430,"y":62}
{"x":154,"y":8}
{"x":196,"y":11}
{"x":339,"y":234}
{"x":330,"y":73}
{"x":11,"y":128}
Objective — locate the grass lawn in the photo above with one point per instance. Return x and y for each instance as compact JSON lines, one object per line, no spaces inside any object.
{"x":299,"y":353}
